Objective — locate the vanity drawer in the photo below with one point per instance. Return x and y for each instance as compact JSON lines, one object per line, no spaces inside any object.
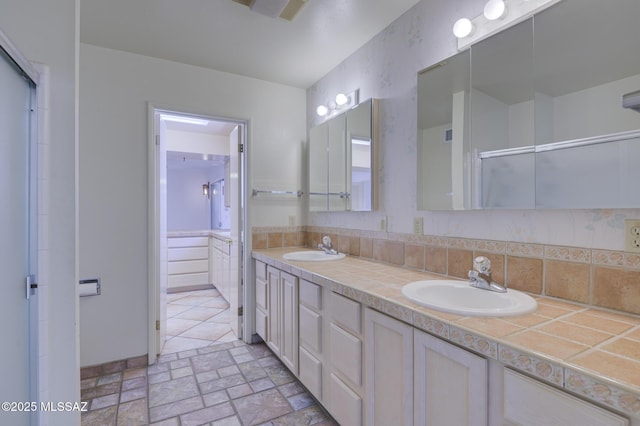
{"x":346,"y":312}
{"x":310,"y":329}
{"x":311,"y":372}
{"x":261,"y":293}
{"x":346,"y":354}
{"x":261,"y":270}
{"x":346,"y":405}
{"x":261,"y":324}
{"x":311,"y":294}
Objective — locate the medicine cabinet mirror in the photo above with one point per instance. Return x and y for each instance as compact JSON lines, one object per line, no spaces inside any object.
{"x":536,"y":116}
{"x":343,"y":161}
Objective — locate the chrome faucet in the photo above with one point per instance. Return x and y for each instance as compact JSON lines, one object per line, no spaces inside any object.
{"x":327,"y":245}
{"x":480,"y":277}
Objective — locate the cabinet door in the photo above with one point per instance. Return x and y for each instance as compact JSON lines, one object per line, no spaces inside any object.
{"x":289,"y":318}
{"x":389,"y":367}
{"x":450,"y":384}
{"x":273,"y":309}
{"x":528,"y":402}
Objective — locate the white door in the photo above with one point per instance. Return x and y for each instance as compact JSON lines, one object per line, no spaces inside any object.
{"x":18,"y":240}
{"x":234,"y":186}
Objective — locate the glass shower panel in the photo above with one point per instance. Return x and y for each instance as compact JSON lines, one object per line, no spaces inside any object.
{"x":601,"y":175}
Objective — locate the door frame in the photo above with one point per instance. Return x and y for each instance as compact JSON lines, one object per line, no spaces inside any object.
{"x":154,"y":219}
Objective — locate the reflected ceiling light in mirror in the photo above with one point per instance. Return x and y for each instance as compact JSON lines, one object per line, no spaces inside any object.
{"x":341,"y":102}
{"x":497,"y":16}
{"x":495,"y":9}
{"x":462,"y":28}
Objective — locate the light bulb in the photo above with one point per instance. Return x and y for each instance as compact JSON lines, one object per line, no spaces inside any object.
{"x":341,"y":99}
{"x":322,"y":110}
{"x":494,"y":9}
{"x":462,"y":28}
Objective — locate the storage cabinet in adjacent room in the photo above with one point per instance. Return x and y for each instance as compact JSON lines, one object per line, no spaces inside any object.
{"x":188,"y":262}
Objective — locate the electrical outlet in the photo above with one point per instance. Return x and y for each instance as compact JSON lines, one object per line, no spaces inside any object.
{"x":418,"y":225}
{"x":383,"y":223}
{"x":632,"y":235}
{"x":292,"y":221}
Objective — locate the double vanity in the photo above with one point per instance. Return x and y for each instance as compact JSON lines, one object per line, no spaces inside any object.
{"x":371,"y":355}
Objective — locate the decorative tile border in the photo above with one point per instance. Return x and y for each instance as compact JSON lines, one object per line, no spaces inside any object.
{"x":431,"y":325}
{"x":571,"y":254}
{"x":600,"y":391}
{"x":474,"y":342}
{"x":533,"y":365}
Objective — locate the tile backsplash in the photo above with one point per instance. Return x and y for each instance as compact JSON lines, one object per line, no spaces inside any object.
{"x":609,"y":279}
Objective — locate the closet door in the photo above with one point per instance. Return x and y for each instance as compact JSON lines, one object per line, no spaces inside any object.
{"x":18,"y":244}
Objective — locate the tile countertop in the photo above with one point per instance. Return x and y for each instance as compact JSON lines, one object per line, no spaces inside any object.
{"x":589,"y":351}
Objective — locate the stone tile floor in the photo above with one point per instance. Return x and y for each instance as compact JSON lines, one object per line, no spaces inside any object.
{"x":200,"y":381}
{"x":196,"y":319}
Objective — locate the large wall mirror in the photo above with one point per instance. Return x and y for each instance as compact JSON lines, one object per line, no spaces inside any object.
{"x":534,"y":116}
{"x":342,"y":161}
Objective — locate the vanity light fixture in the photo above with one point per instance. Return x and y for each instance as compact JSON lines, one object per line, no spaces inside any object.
{"x":462,"y":28}
{"x":205,"y":190}
{"x":497,"y":16}
{"x":495,"y":9}
{"x":322,"y":110}
{"x":341,"y":102}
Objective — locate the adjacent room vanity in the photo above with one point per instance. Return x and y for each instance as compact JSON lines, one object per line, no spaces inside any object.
{"x":371,"y":356}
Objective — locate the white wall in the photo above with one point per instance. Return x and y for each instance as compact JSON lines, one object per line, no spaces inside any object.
{"x":46,"y":31}
{"x":114,"y":90}
{"x":386,"y":68}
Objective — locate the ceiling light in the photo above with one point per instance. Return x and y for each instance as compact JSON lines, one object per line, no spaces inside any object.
{"x":462,"y":28}
{"x":494,"y":9}
{"x":184,"y":119}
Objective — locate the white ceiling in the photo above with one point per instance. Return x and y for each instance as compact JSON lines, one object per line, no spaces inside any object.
{"x":227,"y":36}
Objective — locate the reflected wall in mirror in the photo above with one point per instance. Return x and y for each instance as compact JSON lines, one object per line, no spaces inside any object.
{"x":342,"y":161}
{"x":539,"y":97}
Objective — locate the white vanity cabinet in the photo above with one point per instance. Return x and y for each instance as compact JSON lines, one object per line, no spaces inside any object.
{"x":528,"y":402}
{"x":282,"y":316}
{"x":344,"y":397}
{"x":415,"y":378}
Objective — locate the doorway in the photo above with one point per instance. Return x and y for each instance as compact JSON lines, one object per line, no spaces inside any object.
{"x":196,"y":160}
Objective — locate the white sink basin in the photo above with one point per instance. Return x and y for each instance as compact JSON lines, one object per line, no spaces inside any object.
{"x":312,"y":256}
{"x":458,"y":297}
